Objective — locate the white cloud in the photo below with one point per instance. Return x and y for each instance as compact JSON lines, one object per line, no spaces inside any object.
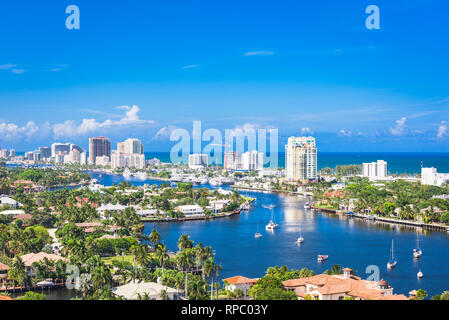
{"x":18,"y":71}
{"x":306,"y":131}
{"x":442,"y":130}
{"x":11,"y":131}
{"x":164,"y":133}
{"x":190,"y":66}
{"x":243,"y":130}
{"x":259,"y":53}
{"x":7,"y":66}
{"x":399,"y":128}
{"x":345,"y":133}
{"x":69,"y":128}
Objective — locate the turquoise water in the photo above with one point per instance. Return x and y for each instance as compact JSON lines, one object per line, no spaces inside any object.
{"x":397,"y":162}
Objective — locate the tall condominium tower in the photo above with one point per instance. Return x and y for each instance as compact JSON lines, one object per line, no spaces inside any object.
{"x":133,"y":146}
{"x":301,"y":158}
{"x":99,"y":147}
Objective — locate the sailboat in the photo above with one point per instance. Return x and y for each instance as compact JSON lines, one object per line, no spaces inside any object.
{"x":417,"y":253}
{"x":271,"y":225}
{"x":300,"y":239}
{"x":392,"y":262}
{"x":257,"y":235}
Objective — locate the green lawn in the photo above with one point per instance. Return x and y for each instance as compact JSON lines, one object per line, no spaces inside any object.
{"x":108,"y":260}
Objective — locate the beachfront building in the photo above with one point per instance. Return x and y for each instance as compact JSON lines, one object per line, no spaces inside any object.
{"x":99,"y":147}
{"x":252,"y":161}
{"x":198,"y":161}
{"x":339,"y":287}
{"x":430,"y":176}
{"x":232,"y":161}
{"x":127,"y":160}
{"x":133,"y":146}
{"x":301,"y":159}
{"x":375,"y":170}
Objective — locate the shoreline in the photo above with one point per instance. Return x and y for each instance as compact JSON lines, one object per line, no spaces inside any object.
{"x":224,"y":215}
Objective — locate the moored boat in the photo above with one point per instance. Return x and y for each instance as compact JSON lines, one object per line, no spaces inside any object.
{"x":322,"y":257}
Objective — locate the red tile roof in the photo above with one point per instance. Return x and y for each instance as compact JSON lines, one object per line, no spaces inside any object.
{"x":240,"y":280}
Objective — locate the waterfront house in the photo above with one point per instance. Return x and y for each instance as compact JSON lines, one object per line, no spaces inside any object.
{"x":239,"y":282}
{"x":190,"y":210}
{"x":29,"y":259}
{"x":338,"y":287}
{"x":152,"y":290}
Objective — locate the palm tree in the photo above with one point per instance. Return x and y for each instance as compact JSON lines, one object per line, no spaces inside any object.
{"x":202,"y":253}
{"x":184,"y":242}
{"x":18,"y":273}
{"x":155,"y":237}
{"x":140,"y":255}
{"x":161,"y":255}
{"x":210,"y":268}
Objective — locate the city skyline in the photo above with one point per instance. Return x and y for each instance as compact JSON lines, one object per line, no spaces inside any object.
{"x":304,"y":68}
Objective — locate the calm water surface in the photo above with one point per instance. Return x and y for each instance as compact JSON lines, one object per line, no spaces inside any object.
{"x":349,"y":242}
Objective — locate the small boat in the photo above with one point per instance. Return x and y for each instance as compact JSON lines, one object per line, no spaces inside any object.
{"x":271,"y":226}
{"x":420,"y":274}
{"x":417,"y":253}
{"x":307,"y":205}
{"x":322,"y":258}
{"x":300,"y":239}
{"x":392,"y":262}
{"x":257,"y":235}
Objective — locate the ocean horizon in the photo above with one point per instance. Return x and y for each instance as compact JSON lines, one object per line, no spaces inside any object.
{"x":398,"y":162}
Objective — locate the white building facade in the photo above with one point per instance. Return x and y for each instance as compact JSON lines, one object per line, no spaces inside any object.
{"x":198,"y":161}
{"x":375,"y":170}
{"x":125,"y":160}
{"x":430,"y":176}
{"x":252,"y":161}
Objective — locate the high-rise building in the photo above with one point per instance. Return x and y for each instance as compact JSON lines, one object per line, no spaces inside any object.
{"x":125,"y":160}
{"x":301,"y":159}
{"x":12,"y":153}
{"x":375,"y":170}
{"x":45,"y":152}
{"x":60,"y":148}
{"x":133,"y":146}
{"x":252,"y":160}
{"x":74,"y":157}
{"x":99,"y":147}
{"x":232,"y":161}
{"x":121,"y":147}
{"x":198,"y":161}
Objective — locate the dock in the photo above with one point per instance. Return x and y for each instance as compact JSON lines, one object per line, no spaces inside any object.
{"x":430,"y":226}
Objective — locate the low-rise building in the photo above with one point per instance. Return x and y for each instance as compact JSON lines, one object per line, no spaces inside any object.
{"x":239,"y":282}
{"x":190,"y":210}
{"x":152,"y":290}
{"x":338,"y":287}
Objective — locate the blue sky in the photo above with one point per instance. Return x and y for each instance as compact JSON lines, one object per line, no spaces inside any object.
{"x":144,"y":68}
